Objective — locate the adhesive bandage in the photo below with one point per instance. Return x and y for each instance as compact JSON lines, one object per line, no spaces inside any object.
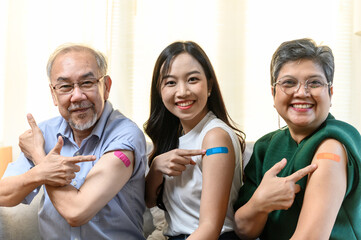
{"x":122,"y":157}
{"x":216,"y":150}
{"x":330,"y":156}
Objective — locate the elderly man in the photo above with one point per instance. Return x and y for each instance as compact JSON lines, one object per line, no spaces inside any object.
{"x":94,"y":176}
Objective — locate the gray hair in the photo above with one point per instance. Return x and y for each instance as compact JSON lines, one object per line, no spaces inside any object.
{"x":69,"y":47}
{"x":303,"y":49}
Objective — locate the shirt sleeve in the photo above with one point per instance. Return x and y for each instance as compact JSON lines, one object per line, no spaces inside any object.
{"x":21,"y":166}
{"x":134,"y":141}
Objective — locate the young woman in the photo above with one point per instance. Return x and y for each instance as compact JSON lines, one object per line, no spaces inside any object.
{"x":327,"y":204}
{"x":196,"y":163}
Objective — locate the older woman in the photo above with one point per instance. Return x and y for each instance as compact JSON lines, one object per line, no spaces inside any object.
{"x":327,"y":203}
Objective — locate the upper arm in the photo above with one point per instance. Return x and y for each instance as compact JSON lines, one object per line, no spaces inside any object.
{"x":103,"y":182}
{"x":324,"y":193}
{"x":217,"y":174}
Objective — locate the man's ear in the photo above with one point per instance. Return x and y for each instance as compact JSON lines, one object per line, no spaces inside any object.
{"x":108,"y":85}
{"x":273,"y":91}
{"x":53,"y":95}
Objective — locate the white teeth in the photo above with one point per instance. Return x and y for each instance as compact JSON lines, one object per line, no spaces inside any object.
{"x":184,"y":104}
{"x":302,"y":105}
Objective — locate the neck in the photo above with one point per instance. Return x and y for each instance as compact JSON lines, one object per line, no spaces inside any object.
{"x":79,"y":136}
{"x":299,"y":134}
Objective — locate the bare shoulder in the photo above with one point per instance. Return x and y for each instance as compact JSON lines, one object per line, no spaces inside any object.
{"x":330,"y":144}
{"x":216,"y":137}
{"x":330,"y":149}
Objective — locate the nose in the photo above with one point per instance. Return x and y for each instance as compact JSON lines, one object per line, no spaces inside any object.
{"x":77,"y":94}
{"x":182,"y":90}
{"x":302,"y":89}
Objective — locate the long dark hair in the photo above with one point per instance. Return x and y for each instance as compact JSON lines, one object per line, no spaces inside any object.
{"x":163,"y":127}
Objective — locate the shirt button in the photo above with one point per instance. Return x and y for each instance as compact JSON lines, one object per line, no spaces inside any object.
{"x":74,"y":183}
{"x":77,"y":153}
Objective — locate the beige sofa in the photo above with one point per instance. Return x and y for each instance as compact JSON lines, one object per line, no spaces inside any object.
{"x":21,"y":222}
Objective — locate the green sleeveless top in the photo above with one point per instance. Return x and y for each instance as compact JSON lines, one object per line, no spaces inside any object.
{"x":279,"y":144}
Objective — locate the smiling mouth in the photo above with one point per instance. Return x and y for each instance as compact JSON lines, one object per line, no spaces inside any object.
{"x":184,"y":104}
{"x":80,"y":107}
{"x":80,"y":110}
{"x":302,"y":106}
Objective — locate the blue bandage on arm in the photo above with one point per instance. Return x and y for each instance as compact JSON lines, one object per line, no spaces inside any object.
{"x":216,"y":150}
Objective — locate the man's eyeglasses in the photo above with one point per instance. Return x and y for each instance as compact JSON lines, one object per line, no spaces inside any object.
{"x":313,"y":85}
{"x":85,"y":85}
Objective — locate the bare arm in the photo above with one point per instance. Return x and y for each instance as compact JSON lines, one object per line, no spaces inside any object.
{"x":171,"y":163}
{"x":217,"y":174}
{"x":54,"y":169}
{"x":14,"y":189}
{"x":324,"y":193}
{"x":108,"y":176}
{"x":51,"y":169}
{"x":274,"y":193}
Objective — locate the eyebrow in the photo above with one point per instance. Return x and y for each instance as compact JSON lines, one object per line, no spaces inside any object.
{"x":84,"y":76}
{"x":189,"y":73}
{"x":308,"y":77}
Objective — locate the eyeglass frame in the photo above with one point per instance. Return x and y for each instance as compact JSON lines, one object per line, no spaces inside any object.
{"x":73,"y":85}
{"x":329,"y":84}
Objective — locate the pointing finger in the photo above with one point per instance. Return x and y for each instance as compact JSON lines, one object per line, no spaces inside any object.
{"x":302,"y":172}
{"x":78,"y":159}
{"x":191,"y":152}
{"x":277,"y":167}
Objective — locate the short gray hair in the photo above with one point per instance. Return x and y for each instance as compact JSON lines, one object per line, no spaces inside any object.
{"x":304,"y":48}
{"x":69,"y":47}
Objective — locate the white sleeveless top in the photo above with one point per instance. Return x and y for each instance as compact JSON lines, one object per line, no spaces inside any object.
{"x":182,"y":194}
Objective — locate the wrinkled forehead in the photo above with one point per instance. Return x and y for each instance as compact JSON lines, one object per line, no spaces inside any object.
{"x":72,"y":64}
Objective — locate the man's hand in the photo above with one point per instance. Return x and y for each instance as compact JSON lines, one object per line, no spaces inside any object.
{"x":32,"y":141}
{"x":54,"y":169}
{"x":276,"y":193}
{"x":57,"y":170}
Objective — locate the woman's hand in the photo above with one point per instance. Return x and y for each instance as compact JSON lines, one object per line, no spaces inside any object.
{"x":32,"y":141}
{"x":171,"y":163}
{"x":174,"y":162}
{"x":276,"y":193}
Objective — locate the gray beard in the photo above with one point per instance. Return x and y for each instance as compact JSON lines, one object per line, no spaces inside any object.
{"x":85,"y":126}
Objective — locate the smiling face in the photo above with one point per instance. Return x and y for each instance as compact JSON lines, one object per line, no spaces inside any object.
{"x":184,"y":91}
{"x":80,"y":108}
{"x":302,"y":111}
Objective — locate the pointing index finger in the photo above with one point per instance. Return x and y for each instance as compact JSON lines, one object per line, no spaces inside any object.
{"x":191,"y":152}
{"x":302,"y":172}
{"x":78,"y":159}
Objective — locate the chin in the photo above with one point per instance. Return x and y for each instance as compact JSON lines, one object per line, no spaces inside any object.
{"x":84,"y":126}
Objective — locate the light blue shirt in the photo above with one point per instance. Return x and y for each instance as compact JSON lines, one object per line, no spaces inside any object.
{"x":122,"y":217}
